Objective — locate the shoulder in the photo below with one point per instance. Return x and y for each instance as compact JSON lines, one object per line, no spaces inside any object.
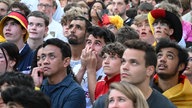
{"x":100,"y":102}
{"x":157,"y":100}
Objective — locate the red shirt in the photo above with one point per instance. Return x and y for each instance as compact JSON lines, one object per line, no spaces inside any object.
{"x":102,"y":86}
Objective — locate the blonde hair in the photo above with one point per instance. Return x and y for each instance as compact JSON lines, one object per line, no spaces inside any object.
{"x":70,"y":14}
{"x":131,"y":92}
{"x":140,"y":18}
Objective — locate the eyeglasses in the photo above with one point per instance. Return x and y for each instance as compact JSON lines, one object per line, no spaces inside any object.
{"x":41,"y":5}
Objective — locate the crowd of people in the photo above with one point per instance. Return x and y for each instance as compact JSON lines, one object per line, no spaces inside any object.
{"x":95,"y":53}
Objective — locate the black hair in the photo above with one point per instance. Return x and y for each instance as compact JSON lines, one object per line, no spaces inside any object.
{"x":113,"y":49}
{"x":12,"y":51}
{"x":182,"y":53}
{"x":89,"y":12}
{"x":104,"y":33}
{"x":65,"y":51}
{"x":34,"y":61}
{"x":126,"y":33}
{"x":16,"y":78}
{"x":87,"y":22}
{"x":21,"y":6}
{"x":27,"y":98}
{"x":150,"y":55}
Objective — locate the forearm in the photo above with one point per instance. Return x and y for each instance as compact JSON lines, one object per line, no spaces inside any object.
{"x":80,"y":74}
{"x":91,"y":83}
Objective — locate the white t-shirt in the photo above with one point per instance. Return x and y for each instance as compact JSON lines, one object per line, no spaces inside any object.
{"x":56,"y":30}
{"x":84,"y":84}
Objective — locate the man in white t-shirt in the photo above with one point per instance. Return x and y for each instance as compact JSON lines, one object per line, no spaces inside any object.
{"x":55,"y":28}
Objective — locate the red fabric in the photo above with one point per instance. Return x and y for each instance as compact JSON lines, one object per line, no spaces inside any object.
{"x":158,"y":13}
{"x":102,"y":86}
{"x":19,"y":16}
{"x":105,"y":20}
{"x":181,"y":78}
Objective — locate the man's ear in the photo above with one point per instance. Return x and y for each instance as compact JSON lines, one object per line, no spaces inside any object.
{"x":150,"y":70}
{"x":66,"y":61}
{"x":24,"y":31}
{"x":127,"y":7}
{"x":46,"y":30}
{"x":181,"y":67}
{"x":170,"y":32}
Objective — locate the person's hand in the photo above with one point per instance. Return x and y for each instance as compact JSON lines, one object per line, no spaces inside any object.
{"x":37,"y":75}
{"x":88,"y":58}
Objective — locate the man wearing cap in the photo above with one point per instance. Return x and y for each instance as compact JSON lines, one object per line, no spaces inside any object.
{"x":13,"y":27}
{"x":165,"y":24}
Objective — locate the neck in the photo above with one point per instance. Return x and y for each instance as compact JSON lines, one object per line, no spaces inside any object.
{"x":95,"y":21}
{"x":145,"y":88}
{"x":57,"y":78}
{"x":167,"y":84}
{"x":20,"y":44}
{"x":124,"y":17}
{"x":76,"y":51}
{"x":34,"y":43}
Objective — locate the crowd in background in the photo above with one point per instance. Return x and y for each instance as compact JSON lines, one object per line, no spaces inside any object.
{"x":95,"y":53}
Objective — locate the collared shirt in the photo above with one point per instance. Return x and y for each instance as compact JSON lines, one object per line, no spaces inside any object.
{"x":26,"y":55}
{"x":102,"y":86}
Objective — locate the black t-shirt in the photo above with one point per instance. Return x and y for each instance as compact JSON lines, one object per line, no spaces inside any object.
{"x":157,"y":100}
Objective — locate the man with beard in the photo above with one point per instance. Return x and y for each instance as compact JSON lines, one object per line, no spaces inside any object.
{"x":91,"y":69}
{"x":119,"y":8}
{"x":171,"y":62}
{"x":76,"y":38}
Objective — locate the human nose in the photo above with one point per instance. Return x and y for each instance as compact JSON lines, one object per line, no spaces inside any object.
{"x":106,"y":60}
{"x":33,"y":26}
{"x":157,"y":25}
{"x":162,"y":58}
{"x":72,"y":30}
{"x":45,"y":60}
{"x":115,"y":6}
{"x":7,"y":27}
{"x":114,"y":104}
{"x":124,"y":66}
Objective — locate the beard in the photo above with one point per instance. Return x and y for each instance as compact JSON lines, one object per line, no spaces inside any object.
{"x":167,"y":76}
{"x":74,"y":40}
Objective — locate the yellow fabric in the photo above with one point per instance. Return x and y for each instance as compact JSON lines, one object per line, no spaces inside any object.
{"x":116,"y":20}
{"x":37,"y":88}
{"x":181,"y":94}
{"x":151,"y":20}
{"x":2,"y":39}
{"x":21,"y":22}
{"x":154,"y":44}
